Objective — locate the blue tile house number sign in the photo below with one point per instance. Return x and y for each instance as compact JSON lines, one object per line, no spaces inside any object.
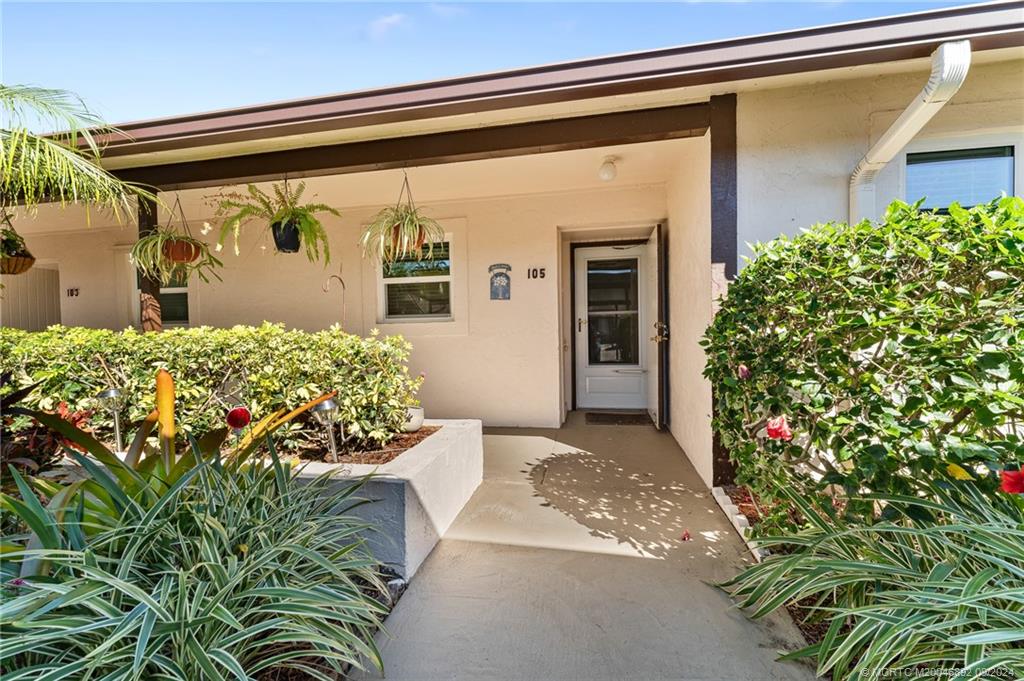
{"x":501,"y":281}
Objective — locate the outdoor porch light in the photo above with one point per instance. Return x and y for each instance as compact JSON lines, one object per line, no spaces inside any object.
{"x":326,"y":412}
{"x":608,"y":171}
{"x":111,"y":399}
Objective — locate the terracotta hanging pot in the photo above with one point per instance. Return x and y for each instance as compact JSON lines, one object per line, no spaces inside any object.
{"x":17,"y":264}
{"x":396,"y":238}
{"x":180,"y":251}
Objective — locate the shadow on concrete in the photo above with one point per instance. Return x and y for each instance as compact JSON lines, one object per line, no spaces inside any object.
{"x":620,"y":500}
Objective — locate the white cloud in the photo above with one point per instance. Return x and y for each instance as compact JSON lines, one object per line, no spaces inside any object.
{"x":383,"y":25}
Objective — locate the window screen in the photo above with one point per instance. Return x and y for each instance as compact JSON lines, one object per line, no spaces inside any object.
{"x":419,"y":288}
{"x":966,"y":176}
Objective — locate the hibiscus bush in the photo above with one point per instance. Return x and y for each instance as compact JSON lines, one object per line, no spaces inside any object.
{"x":867,"y":358}
{"x":261,"y":367}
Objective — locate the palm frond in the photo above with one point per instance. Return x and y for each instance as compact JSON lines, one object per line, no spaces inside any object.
{"x":62,"y":167}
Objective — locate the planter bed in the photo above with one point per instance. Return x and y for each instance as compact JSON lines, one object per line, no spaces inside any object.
{"x":416,"y":486}
{"x":415,"y":495}
{"x":401,"y":443}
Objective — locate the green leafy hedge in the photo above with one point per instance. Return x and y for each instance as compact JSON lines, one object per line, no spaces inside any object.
{"x":281,"y":367}
{"x":891,"y":349}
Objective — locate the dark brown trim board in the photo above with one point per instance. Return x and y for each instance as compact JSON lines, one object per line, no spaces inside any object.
{"x":909,"y":36}
{"x":538,"y":137}
{"x":150,"y":315}
{"x":723,"y":182}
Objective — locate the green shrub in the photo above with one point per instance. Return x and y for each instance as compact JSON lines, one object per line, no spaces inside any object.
{"x":940,"y":587}
{"x":281,"y":367}
{"x":892,"y":350}
{"x":188,"y":563}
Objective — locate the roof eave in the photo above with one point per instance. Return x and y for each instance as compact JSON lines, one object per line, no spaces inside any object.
{"x":988,"y":26}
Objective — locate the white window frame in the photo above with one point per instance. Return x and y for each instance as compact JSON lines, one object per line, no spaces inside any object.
{"x":133,"y":296}
{"x":962,"y":141}
{"x":188,"y":300}
{"x":383,"y":282}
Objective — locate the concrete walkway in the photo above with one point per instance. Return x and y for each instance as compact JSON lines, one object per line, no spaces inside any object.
{"x":567,"y":564}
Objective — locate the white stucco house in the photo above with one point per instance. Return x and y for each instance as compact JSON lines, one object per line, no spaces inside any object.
{"x":618,"y":194}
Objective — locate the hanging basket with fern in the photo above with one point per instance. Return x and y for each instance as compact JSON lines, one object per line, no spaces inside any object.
{"x":293,"y":225}
{"x":401,"y":231}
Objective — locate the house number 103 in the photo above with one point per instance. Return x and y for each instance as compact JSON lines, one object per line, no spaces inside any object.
{"x":535,"y":273}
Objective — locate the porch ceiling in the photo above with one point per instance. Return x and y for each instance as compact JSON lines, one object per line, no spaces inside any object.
{"x":647,"y":163}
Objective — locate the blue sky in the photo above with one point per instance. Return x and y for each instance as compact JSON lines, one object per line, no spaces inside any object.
{"x":142,"y":60}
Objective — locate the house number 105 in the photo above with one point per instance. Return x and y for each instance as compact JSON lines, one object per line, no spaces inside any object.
{"x":535,"y":273}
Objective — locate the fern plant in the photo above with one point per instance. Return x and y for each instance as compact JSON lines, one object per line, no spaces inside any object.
{"x":282,"y":212}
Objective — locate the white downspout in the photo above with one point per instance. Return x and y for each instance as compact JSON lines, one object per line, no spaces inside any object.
{"x":950,"y":63}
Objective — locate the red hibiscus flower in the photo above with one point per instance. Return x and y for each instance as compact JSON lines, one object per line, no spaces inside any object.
{"x":1013,"y":482}
{"x":239,"y":418}
{"x":778,"y":429}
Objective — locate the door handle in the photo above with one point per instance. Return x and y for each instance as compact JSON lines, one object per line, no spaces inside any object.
{"x":579,"y":324}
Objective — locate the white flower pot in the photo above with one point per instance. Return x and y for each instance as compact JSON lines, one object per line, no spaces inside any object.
{"x":414,"y":420}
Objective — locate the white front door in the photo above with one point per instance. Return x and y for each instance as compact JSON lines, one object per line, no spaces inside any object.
{"x":611,"y":368}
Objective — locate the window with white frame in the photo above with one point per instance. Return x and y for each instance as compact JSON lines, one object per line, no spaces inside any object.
{"x":418,"y":289}
{"x":173,"y":302}
{"x":966,"y":176}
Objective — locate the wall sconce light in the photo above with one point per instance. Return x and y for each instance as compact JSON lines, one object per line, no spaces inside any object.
{"x":608,"y":171}
{"x":111,"y":399}
{"x":326,"y":412}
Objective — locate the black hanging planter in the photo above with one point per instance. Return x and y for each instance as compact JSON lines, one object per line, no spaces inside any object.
{"x":286,"y":237}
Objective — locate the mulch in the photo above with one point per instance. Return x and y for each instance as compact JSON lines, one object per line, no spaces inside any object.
{"x":395,"y":447}
{"x":744,"y":502}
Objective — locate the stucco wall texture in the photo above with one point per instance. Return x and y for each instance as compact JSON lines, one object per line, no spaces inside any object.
{"x":498,"y":361}
{"x":797,"y":146}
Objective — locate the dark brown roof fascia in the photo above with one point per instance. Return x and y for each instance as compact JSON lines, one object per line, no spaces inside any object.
{"x":988,"y":26}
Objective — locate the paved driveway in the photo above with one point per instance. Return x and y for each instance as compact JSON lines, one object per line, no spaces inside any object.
{"x":567,"y":563}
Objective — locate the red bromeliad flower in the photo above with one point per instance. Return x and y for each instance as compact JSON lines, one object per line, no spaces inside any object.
{"x":778,"y":429}
{"x":1013,"y":482}
{"x":239,"y":418}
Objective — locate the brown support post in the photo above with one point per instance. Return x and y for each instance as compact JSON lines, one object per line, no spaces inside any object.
{"x":722,"y":115}
{"x":149,"y":289}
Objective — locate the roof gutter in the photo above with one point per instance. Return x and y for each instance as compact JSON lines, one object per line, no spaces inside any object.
{"x":950,"y":63}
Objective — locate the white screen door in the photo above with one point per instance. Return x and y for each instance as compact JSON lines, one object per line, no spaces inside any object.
{"x":611,"y":369}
